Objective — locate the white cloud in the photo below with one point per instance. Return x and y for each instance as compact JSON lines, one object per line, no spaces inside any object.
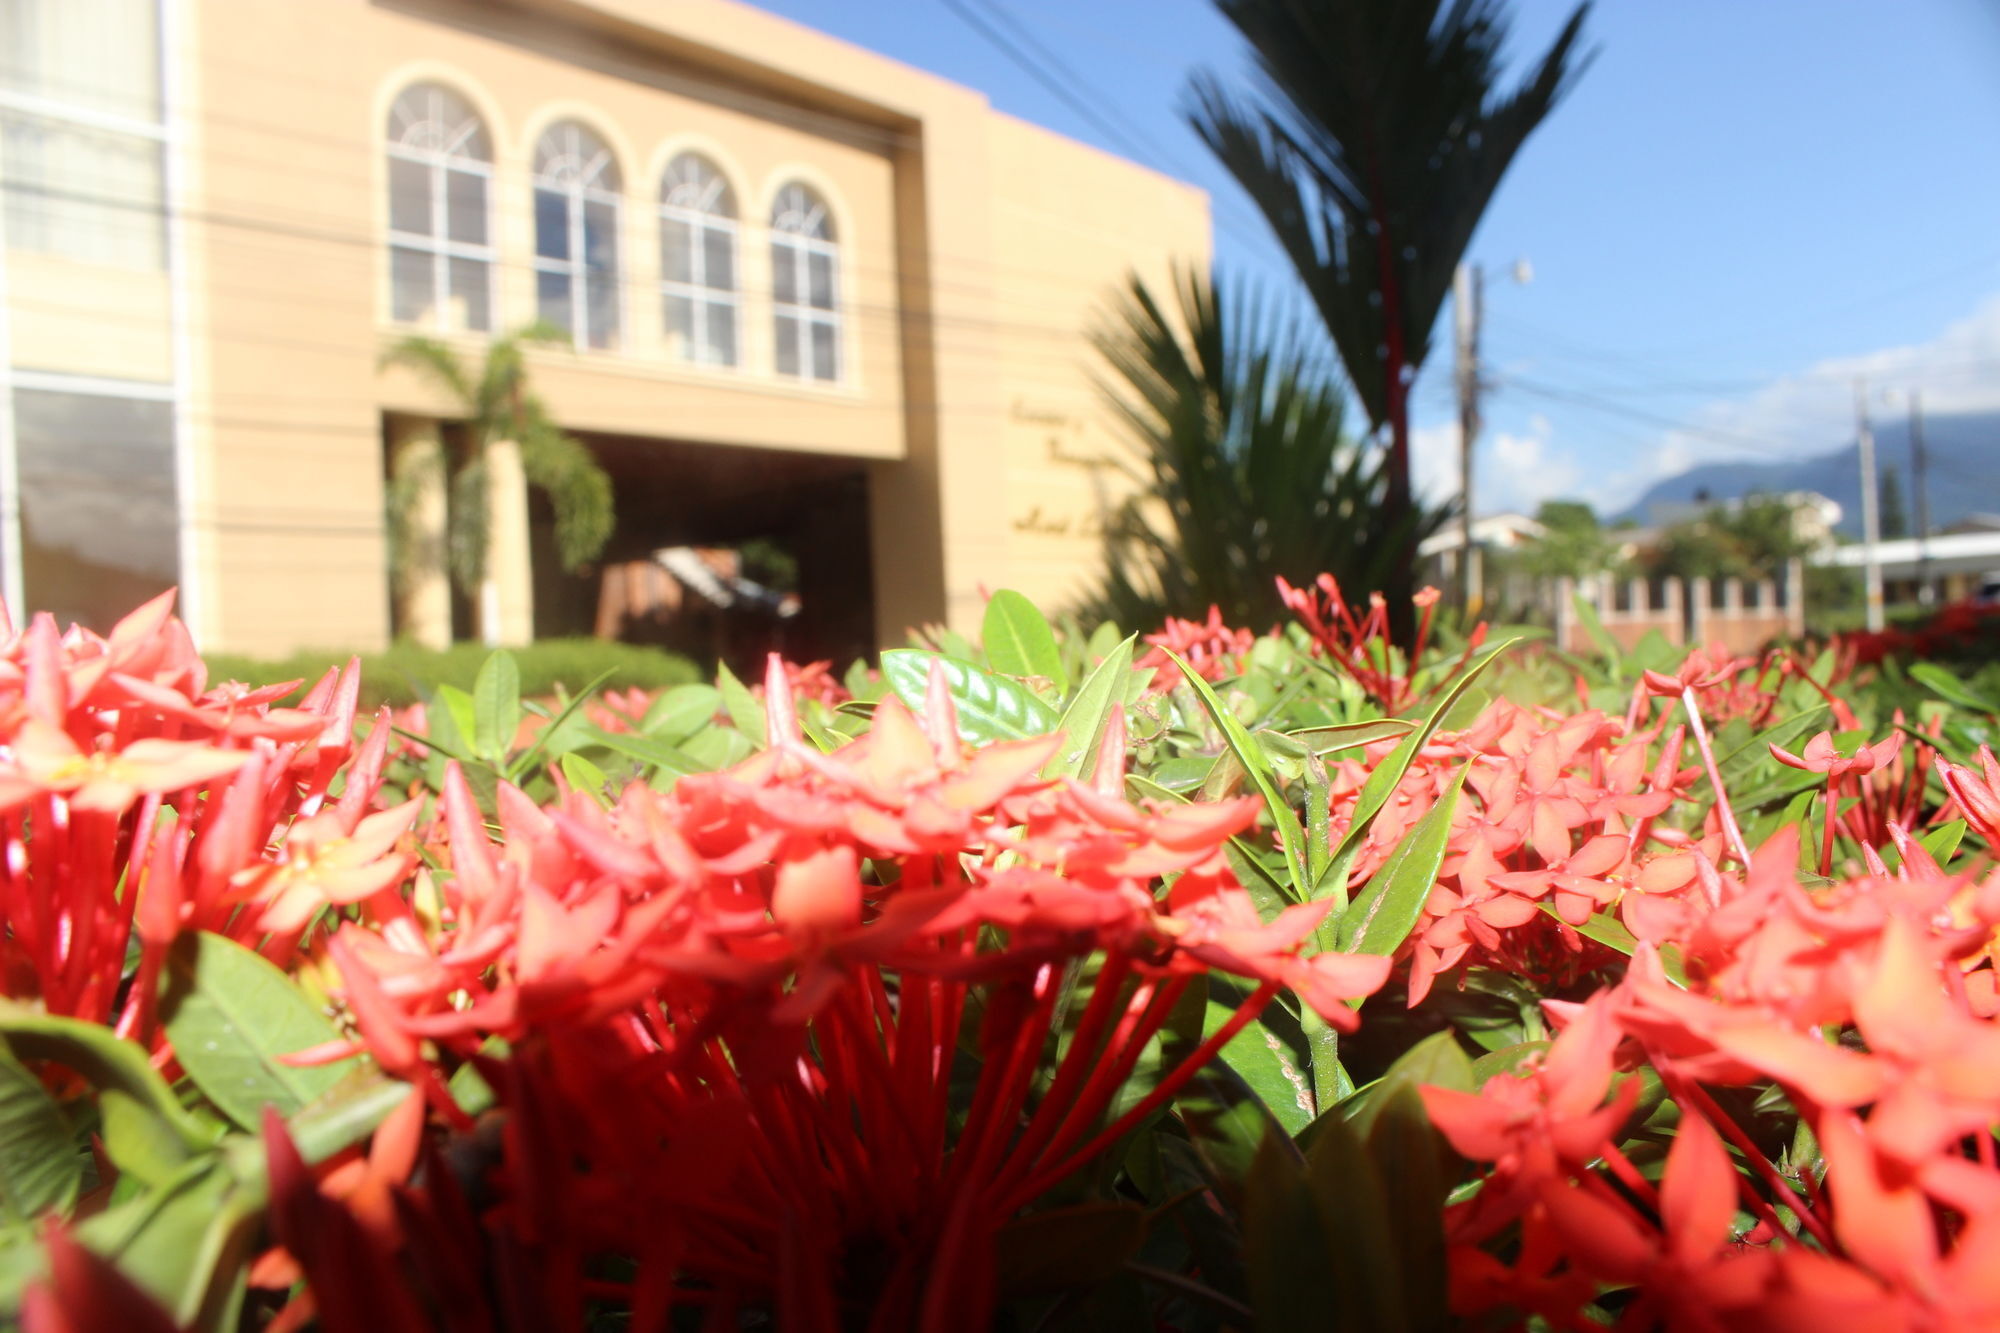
{"x":1812,"y":412}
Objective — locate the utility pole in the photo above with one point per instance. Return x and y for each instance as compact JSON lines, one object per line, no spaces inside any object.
{"x":1467,"y":291}
{"x":1871,"y":531}
{"x":1917,"y":464}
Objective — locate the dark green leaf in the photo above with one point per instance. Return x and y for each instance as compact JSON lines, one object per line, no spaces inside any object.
{"x":1384,"y":777}
{"x":1612,"y":934}
{"x":1338,"y":736}
{"x":1384,"y":912}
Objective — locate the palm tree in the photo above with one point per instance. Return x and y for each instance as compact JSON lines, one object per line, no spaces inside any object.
{"x":1372,"y":144}
{"x":499,"y":409}
{"x":1247,"y":471}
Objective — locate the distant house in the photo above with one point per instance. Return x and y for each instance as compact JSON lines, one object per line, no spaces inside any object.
{"x":1814,"y":516}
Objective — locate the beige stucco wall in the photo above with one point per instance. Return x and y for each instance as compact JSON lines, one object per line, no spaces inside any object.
{"x":973,"y":246}
{"x":1071,"y":225}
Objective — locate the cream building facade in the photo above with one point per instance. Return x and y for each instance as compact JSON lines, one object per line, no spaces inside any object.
{"x":807,"y":293}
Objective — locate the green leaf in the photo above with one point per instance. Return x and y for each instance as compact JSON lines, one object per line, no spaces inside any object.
{"x":718,"y":748}
{"x":459,"y":715}
{"x":550,"y":734}
{"x":1384,"y":777}
{"x":144,"y":1127}
{"x":1352,"y":1202}
{"x":1384,"y":912}
{"x":681,"y":712}
{"x":1082,"y":723}
{"x":653,"y":753}
{"x":1437,"y":1061}
{"x":1949,"y":687}
{"x":1942,"y":842}
{"x":585,"y":776}
{"x":743,"y":708}
{"x":1607,"y":647}
{"x":1258,"y":765}
{"x":1271,"y":1067}
{"x":40,"y":1169}
{"x":496,"y":706}
{"x":1018,"y":639}
{"x":1610,"y":932}
{"x":990,"y":708}
{"x":183,"y":1242}
{"x":1338,"y":736}
{"x":230,"y":1014}
{"x":1746,"y":759}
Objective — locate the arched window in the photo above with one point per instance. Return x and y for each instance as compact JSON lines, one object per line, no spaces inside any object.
{"x":698,"y":261}
{"x":440,"y":211}
{"x":805,"y":296}
{"x":576,"y":234}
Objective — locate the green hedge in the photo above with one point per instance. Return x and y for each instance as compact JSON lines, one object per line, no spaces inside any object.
{"x":403,"y":674}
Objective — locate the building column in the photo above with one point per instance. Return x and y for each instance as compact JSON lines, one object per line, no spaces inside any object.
{"x":417,"y":531}
{"x":507,"y":595}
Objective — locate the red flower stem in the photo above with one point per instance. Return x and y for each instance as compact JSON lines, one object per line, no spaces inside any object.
{"x":997,"y":1101}
{"x":1628,"y":1175}
{"x":1040,"y":1183}
{"x":1077,"y":1062}
{"x":1728,"y":816}
{"x":1695,"y":1093}
{"x":1145,"y":1013}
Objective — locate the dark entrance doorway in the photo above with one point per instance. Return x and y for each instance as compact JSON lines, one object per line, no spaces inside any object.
{"x":801,"y":518}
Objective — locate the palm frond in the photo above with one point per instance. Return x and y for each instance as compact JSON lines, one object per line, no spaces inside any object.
{"x":580,"y":489}
{"x":1237,"y":415}
{"x":435,"y":360}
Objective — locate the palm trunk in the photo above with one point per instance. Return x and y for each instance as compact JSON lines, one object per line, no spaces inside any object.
{"x":507,"y":593}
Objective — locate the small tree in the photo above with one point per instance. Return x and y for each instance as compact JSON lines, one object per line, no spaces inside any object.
{"x":1246,"y":470}
{"x":1750,"y":540}
{"x":1573,"y":543}
{"x":498,"y":405}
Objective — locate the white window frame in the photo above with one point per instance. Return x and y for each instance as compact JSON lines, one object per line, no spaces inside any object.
{"x":577,"y":190}
{"x":699,"y":221}
{"x":438,"y":163}
{"x":799,"y":242}
{"x":164,"y":131}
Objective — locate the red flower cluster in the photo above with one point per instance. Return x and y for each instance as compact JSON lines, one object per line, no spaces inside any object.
{"x":1897,"y":1230}
{"x":137,"y":800}
{"x":1211,"y":647}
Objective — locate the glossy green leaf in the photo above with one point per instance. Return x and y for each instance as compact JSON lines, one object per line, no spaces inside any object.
{"x":1018,"y":639}
{"x":1269,"y":1065}
{"x":1257,"y":764}
{"x":718,"y":748}
{"x":231,"y":1014}
{"x":496,"y":705}
{"x":40,"y":1168}
{"x":742,"y":706}
{"x":184,"y":1242}
{"x":990,"y":708}
{"x":1382,"y":915}
{"x":1083,"y":721}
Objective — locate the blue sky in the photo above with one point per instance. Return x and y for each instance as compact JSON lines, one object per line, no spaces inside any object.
{"x":1741,"y":206}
